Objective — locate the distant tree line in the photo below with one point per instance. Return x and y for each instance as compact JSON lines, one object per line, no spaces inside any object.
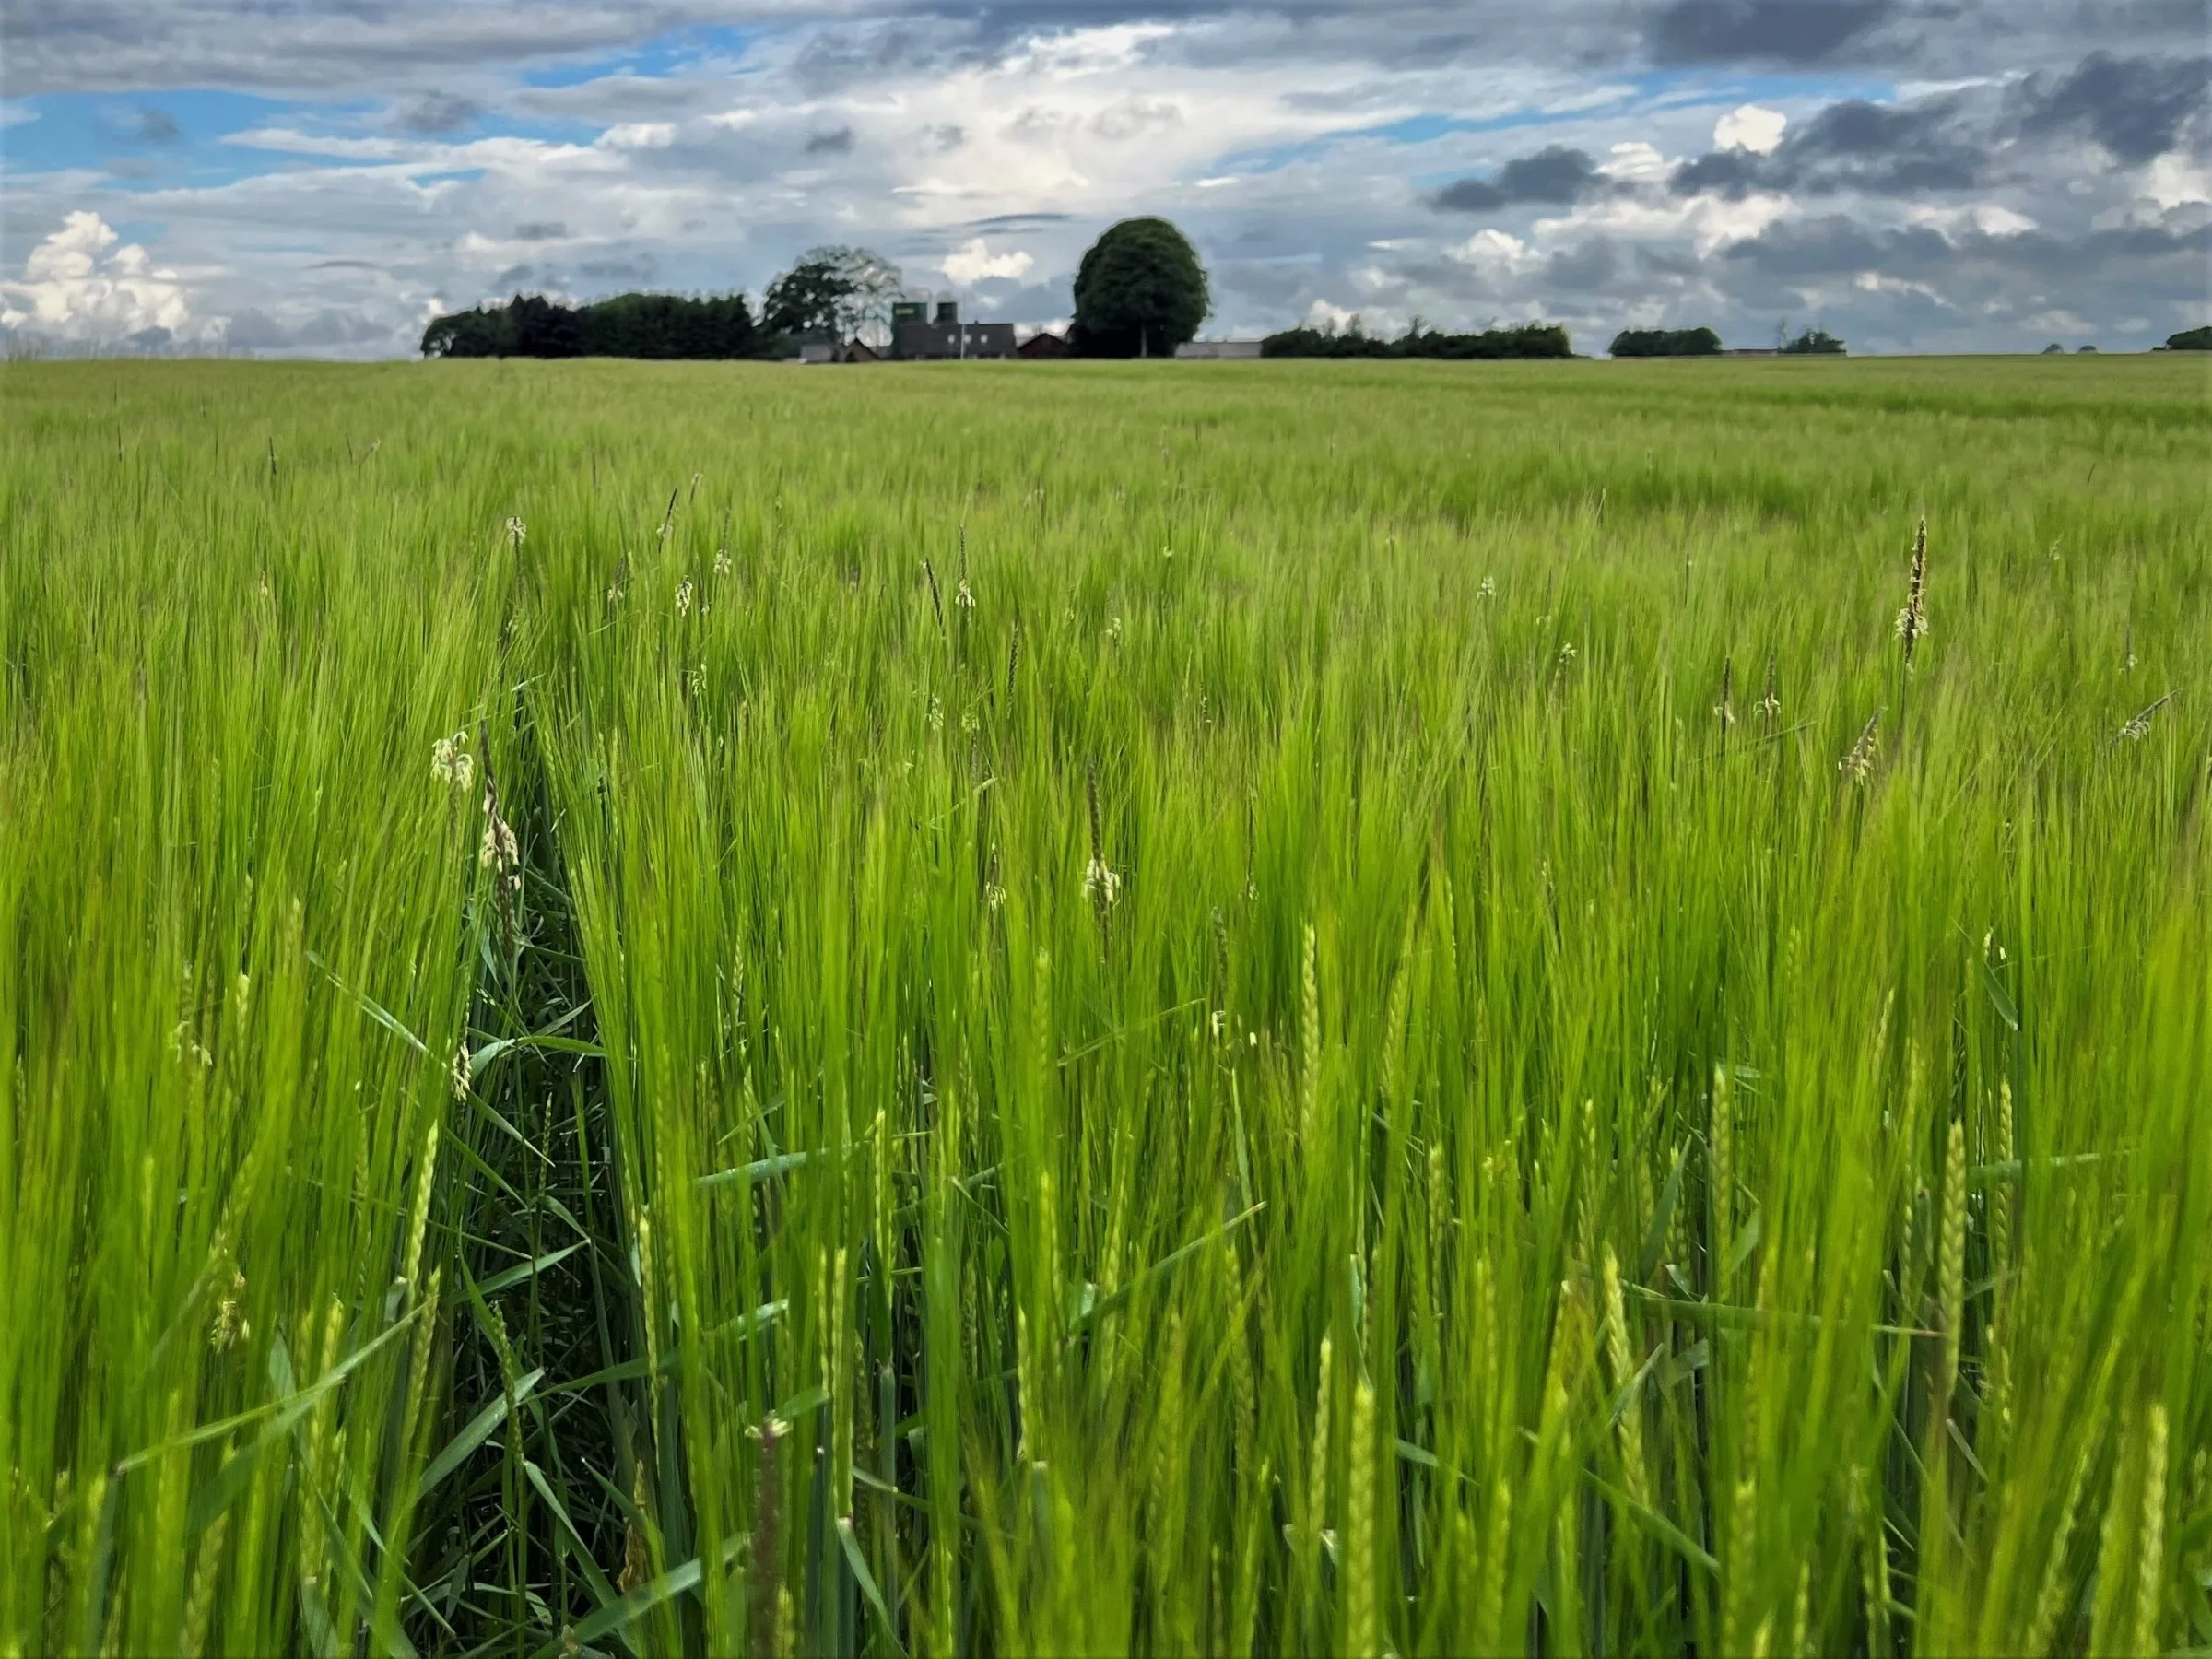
{"x":630,"y":325}
{"x":1526,"y":340}
{"x":2191,"y":339}
{"x":1664,"y":342}
{"x":1140,"y":291}
{"x":1812,"y":342}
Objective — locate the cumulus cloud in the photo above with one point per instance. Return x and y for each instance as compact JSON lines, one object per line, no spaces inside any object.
{"x":1928,"y":144}
{"x":77,"y":284}
{"x":974,"y":262}
{"x":1749,"y":127}
{"x":1494,"y":254}
{"x":1592,"y":161}
{"x":1556,"y":175}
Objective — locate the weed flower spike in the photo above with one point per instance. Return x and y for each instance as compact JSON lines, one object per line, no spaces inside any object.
{"x":452,"y":764}
{"x":2137,"y":725}
{"x":500,"y":852}
{"x":1913,"y":622}
{"x":1102,"y":883}
{"x":1856,"y":765}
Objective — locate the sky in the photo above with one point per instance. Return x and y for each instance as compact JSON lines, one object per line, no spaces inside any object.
{"x":322,"y":177}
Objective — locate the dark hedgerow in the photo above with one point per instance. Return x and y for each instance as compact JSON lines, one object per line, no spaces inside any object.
{"x":1664,"y":342}
{"x":1527,"y":340}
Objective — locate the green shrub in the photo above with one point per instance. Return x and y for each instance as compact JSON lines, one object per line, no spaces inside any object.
{"x":1664,"y":342}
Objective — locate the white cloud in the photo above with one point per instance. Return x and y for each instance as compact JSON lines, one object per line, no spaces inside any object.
{"x":1086,"y":52}
{"x":1709,"y":222}
{"x":1495,"y":254}
{"x":640,"y":135}
{"x":1751,"y":127}
{"x":1322,"y":315}
{"x":2173,"y":180}
{"x":974,"y":262}
{"x":15,"y":113}
{"x":1217,"y":182}
{"x":1990,"y":218}
{"x":1874,"y":282}
{"x":77,"y":284}
{"x":295,"y":143}
{"x":1592,"y":98}
{"x":1636,"y":163}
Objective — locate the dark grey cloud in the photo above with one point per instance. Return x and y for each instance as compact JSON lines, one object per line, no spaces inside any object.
{"x":1009,"y":223}
{"x":1556,"y":175}
{"x":1269,"y":284}
{"x":588,"y":276}
{"x":434,"y":115}
{"x":838,"y":143}
{"x":1591,"y":266}
{"x":2135,"y":107}
{"x":1762,"y":31}
{"x":1930,"y":144}
{"x":367,"y":45}
{"x":540,"y":230}
{"x":1839,"y":246}
{"x":156,"y":127}
{"x":1921,"y":283}
{"x":840,"y":57}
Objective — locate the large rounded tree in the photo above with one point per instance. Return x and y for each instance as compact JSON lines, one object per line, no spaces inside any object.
{"x":1139,"y":292}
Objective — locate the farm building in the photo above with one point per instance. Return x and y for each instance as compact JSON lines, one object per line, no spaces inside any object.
{"x":1042,"y":345}
{"x":917,"y":337}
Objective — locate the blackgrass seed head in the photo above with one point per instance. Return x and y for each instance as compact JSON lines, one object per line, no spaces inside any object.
{"x":1858,"y":764}
{"x":2137,"y":725}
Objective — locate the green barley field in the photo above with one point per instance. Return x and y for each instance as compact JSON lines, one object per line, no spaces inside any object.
{"x":1278,"y":1009}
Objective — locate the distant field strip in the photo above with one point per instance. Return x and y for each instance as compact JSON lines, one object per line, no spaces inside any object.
{"x":1251,"y":1008}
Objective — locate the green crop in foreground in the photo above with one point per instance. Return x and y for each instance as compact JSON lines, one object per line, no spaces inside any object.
{"x":1285,"y":1009}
